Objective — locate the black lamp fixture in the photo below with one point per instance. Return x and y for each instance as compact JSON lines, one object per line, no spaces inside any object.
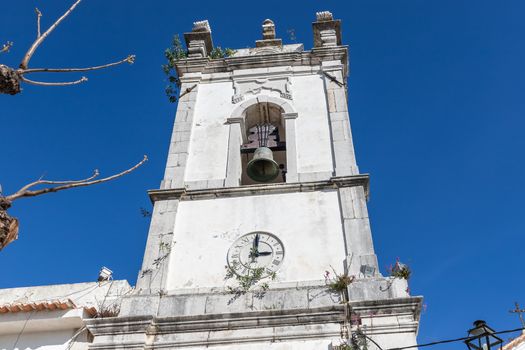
{"x":482,"y":337}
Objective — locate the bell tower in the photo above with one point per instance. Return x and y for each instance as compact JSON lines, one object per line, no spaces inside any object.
{"x":261,"y":210}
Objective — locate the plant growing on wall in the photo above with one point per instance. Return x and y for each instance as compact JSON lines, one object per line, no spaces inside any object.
{"x":177,"y":52}
{"x":219,"y":52}
{"x":338,"y":283}
{"x":251,"y":281}
{"x":357,"y":341}
{"x":163,"y":253}
{"x":400,"y":270}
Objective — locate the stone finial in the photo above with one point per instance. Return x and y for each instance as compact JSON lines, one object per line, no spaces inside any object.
{"x":327,"y":31}
{"x":324,"y":16}
{"x":198,"y":41}
{"x":268,"y":31}
{"x":201,"y":26}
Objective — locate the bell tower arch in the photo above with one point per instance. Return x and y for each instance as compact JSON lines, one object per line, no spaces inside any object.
{"x":266,"y":119}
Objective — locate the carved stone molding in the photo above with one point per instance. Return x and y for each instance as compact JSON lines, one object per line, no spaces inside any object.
{"x":255,"y":86}
{"x":261,"y":189}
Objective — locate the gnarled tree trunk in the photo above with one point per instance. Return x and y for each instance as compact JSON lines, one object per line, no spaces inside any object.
{"x":8,"y":224}
{"x":9,"y":80}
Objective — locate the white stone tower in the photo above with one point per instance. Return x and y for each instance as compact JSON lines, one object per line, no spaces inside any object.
{"x":236,"y":263}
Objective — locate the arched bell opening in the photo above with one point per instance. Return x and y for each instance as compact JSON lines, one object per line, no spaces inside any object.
{"x":263,"y":155}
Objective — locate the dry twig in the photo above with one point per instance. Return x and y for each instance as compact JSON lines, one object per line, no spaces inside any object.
{"x":10,"y":78}
{"x":6,"y":47}
{"x":9,"y":224}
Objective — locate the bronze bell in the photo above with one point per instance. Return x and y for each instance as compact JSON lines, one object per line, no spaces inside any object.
{"x":262,"y":167}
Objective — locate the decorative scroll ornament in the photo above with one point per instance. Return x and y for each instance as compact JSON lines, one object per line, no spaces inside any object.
{"x":254,"y":87}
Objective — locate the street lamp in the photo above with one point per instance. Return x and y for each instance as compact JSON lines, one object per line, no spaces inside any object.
{"x":482,"y":337}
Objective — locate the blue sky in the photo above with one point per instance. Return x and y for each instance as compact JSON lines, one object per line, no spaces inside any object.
{"x":437,"y":111}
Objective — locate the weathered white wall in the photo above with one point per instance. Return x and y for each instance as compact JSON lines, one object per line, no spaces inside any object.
{"x":208,"y":148}
{"x":308,"y":224}
{"x":313,"y":134}
{"x":46,"y":340}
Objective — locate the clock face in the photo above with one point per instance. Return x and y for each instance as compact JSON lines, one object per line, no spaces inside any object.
{"x":256,"y":250}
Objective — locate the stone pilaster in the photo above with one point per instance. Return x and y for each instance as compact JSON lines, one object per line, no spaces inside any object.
{"x":341,"y":134}
{"x":358,"y":236}
{"x":152,"y":276}
{"x":233,"y":168}
{"x":291,"y":146}
{"x":180,"y":138}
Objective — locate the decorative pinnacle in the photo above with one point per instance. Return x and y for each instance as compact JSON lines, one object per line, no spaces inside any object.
{"x":324,"y":16}
{"x":201,"y":26}
{"x":268,"y":29}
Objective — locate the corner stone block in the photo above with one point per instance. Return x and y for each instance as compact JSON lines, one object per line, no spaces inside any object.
{"x":182,"y":305}
{"x":322,"y":296}
{"x":284,"y":299}
{"x":346,"y":202}
{"x":341,"y":104}
{"x":359,"y":202}
{"x":139,"y":305}
{"x":227,"y":303}
{"x":360,"y":236}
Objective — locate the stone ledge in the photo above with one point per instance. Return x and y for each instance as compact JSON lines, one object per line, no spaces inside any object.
{"x":401,"y":317}
{"x":229,"y":321}
{"x":215,"y":301}
{"x":258,"y":319}
{"x":305,"y":58}
{"x":251,"y":190}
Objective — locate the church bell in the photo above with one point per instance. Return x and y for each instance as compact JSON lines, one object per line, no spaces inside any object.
{"x":262,"y":167}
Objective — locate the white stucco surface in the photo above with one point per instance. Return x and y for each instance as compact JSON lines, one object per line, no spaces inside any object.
{"x":208,"y":148}
{"x":308,"y":224}
{"x":45,"y":340}
{"x":313,"y":134}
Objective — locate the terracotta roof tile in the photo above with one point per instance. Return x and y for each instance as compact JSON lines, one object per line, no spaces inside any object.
{"x":50,"y":305}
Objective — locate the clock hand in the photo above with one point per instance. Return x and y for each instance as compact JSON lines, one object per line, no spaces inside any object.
{"x":254,"y":252}
{"x":264,"y":253}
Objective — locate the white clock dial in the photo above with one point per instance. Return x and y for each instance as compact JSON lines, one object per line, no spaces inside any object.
{"x":256,"y":250}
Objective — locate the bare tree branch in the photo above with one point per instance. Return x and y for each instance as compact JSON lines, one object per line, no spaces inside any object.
{"x":41,"y":181}
{"x":41,"y":38}
{"x":79,"y":81}
{"x":38,"y":15}
{"x":11,"y":78}
{"x":130,"y":59}
{"x":25,"y":192}
{"x":6,"y":47}
{"x":9,"y":224}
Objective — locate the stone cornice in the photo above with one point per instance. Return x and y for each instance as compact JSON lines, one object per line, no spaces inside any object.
{"x":251,"y":320}
{"x":229,"y":64}
{"x":410,"y":306}
{"x":215,"y":322}
{"x":139,"y":332}
{"x":263,"y":189}
{"x":385,"y":306}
